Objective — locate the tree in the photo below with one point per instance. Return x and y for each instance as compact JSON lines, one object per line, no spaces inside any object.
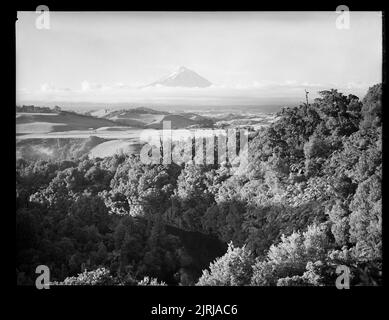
{"x":366,"y":218}
{"x":147,"y":281}
{"x":372,"y":107}
{"x":316,"y":151}
{"x":98,"y":277}
{"x":232,"y":269}
{"x":290,"y":257}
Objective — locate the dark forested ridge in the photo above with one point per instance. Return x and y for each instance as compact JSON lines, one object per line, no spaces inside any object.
{"x":308,"y":200}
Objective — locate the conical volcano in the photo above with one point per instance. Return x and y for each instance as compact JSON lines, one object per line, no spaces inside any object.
{"x":183,"y":77}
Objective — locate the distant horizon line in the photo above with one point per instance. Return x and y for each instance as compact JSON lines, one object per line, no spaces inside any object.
{"x":132,"y":104}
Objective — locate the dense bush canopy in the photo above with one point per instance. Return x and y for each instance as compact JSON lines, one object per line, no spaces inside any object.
{"x":309,"y":199}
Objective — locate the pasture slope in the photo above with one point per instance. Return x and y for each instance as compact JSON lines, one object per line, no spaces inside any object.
{"x":59,"y":122}
{"x":65,"y":134}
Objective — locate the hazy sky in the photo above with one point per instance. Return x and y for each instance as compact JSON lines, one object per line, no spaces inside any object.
{"x":94,"y":56}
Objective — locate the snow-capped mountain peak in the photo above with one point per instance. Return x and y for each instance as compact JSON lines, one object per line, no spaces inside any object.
{"x":183,"y":77}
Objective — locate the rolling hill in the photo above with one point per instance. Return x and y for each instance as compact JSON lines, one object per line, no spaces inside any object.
{"x":58,"y":122}
{"x":153,"y":119}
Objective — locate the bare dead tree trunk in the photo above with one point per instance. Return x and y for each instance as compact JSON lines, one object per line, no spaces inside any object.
{"x":306,"y":96}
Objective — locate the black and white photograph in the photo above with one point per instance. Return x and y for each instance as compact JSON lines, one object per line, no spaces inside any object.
{"x":198,"y":148}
